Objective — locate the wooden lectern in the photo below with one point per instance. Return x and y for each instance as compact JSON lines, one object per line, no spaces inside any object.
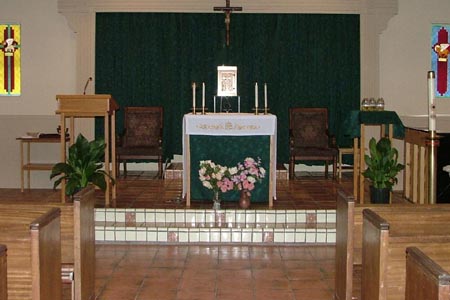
{"x":82,"y":106}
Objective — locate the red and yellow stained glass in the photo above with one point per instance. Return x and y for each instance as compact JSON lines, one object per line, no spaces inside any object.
{"x":10,"y":83}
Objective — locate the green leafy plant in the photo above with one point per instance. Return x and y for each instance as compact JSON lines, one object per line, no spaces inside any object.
{"x":382,"y":164}
{"x":83,"y":166}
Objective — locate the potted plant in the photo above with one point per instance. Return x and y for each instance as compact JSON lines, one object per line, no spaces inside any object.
{"x":83,"y":166}
{"x":382,"y":169}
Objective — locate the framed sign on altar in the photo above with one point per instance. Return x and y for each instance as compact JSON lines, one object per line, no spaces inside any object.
{"x":226,"y":81}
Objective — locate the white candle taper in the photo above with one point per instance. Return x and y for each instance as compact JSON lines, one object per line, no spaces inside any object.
{"x":265,"y":95}
{"x":193,"y":96}
{"x":203,"y":95}
{"x":431,"y":104}
{"x":256,"y":95}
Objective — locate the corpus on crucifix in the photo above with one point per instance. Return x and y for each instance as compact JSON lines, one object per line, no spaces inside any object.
{"x":227,"y":9}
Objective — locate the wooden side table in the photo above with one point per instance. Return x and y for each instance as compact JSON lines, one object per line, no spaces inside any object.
{"x":26,"y":165}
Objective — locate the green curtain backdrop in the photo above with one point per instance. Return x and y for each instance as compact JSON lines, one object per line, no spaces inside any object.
{"x":310,"y":60}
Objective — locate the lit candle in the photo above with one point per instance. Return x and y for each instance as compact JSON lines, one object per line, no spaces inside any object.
{"x":431,"y":105}
{"x":193,"y":96}
{"x":265,"y":95}
{"x":256,"y":95}
{"x":203,"y":95}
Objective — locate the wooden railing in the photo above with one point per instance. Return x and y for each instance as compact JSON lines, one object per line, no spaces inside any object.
{"x":416,"y":183}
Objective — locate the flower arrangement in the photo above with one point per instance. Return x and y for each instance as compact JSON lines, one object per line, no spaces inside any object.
{"x":223,"y":179}
{"x":216,"y":177}
{"x":248,"y":173}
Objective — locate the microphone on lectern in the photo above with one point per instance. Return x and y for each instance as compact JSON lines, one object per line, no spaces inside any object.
{"x":86,"y":85}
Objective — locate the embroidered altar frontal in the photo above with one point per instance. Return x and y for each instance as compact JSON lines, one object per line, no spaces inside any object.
{"x":10,"y":83}
{"x":228,"y":139}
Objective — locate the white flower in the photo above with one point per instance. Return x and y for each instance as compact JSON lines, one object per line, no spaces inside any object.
{"x":251,"y":179}
{"x":263,"y":171}
{"x":207,"y":184}
{"x":233,"y":170}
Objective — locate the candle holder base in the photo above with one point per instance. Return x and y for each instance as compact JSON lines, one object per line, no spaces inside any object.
{"x":196,"y":110}
{"x":204,"y":110}
{"x":266,"y":110}
{"x":256,"y":110}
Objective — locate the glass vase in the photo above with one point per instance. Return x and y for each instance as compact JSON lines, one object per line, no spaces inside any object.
{"x":216,"y":200}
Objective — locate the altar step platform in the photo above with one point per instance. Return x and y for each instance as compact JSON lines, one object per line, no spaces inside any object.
{"x":226,"y":226}
{"x":230,"y":226}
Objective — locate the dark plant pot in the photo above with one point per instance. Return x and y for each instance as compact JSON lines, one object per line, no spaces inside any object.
{"x":379,"y":196}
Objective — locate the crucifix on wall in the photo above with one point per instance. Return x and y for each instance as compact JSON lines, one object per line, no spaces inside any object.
{"x":227,"y":9}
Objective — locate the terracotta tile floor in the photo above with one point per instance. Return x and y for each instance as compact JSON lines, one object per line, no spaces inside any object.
{"x":214,"y":272}
{"x":137,"y":271}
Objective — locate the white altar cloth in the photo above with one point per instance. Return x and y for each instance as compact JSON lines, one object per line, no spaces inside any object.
{"x":230,"y":124}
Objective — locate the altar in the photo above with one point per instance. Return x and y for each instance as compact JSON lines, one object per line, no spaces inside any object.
{"x":228,"y":138}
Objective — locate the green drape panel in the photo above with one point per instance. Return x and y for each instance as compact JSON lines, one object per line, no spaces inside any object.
{"x":228,"y":151}
{"x":153,"y":58}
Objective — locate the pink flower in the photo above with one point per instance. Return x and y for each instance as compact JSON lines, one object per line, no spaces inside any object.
{"x":225,"y":185}
{"x":247,"y":185}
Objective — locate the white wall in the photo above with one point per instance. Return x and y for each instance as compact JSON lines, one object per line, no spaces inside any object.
{"x":48,"y":56}
{"x":49,"y":68}
{"x":405,"y":56}
{"x":405,"y":59}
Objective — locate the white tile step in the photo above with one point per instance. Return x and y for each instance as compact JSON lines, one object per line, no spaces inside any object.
{"x":211,"y":226}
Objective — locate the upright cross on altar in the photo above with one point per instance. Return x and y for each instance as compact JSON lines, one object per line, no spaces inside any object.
{"x":227,"y":10}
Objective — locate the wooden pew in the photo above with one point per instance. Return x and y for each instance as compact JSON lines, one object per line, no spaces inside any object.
{"x":3,"y":270}
{"x":77,"y":238}
{"x":34,"y":253}
{"x":349,"y":221}
{"x":426,"y":275}
{"x":385,"y":239}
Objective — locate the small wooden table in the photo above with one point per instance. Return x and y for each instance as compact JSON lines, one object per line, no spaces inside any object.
{"x":25,"y":162}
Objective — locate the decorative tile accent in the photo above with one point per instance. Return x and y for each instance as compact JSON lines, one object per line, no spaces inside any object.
{"x":268,"y":236}
{"x":311,"y":220}
{"x":174,"y":171}
{"x":172,"y":236}
{"x":130,"y":219}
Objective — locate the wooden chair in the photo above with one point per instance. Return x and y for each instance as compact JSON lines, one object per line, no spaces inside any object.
{"x":142,"y":137}
{"x":309,"y":138}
